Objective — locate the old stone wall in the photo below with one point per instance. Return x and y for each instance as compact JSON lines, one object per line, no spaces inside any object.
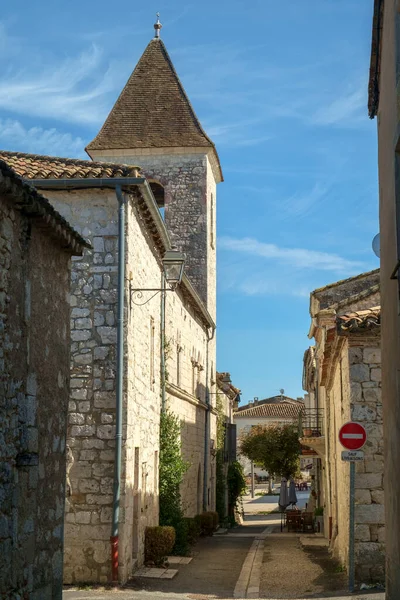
{"x":92,"y":404}
{"x":91,"y":415}
{"x":190,"y":208}
{"x":338,"y":412}
{"x":366,"y":408}
{"x":356,"y":395}
{"x":34,"y":376}
{"x":188,"y":352}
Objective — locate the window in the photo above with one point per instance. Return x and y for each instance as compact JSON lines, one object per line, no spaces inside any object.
{"x":178,"y":365}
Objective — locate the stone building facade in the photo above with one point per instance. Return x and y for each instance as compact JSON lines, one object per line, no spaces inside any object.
{"x":190,"y":347}
{"x":152,"y":124}
{"x":36,"y":246}
{"x":383,"y":103}
{"x":345,"y":377}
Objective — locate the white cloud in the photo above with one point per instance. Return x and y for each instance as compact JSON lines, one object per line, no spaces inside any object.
{"x":296,"y":257}
{"x":14,"y":136}
{"x":346,"y":109}
{"x":74,"y":91}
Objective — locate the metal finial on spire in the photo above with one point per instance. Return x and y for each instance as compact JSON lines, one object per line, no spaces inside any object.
{"x":157,"y":26}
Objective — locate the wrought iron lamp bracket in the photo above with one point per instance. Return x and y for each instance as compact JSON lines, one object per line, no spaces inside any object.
{"x":137,"y":297}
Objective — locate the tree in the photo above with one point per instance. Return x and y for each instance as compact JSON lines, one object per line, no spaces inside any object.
{"x":276,"y":448}
{"x":171,"y":471}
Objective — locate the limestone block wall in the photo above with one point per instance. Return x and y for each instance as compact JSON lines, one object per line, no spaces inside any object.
{"x":337,"y":471}
{"x":142,"y":399}
{"x":91,"y":417}
{"x":34,"y":374}
{"x":188,"y":352}
{"x":366,"y":408}
{"x":190,"y":207}
{"x":92,"y":403}
{"x":356,"y":395}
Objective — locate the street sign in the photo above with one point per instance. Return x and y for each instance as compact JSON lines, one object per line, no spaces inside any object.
{"x":352,"y":436}
{"x":350,"y":455}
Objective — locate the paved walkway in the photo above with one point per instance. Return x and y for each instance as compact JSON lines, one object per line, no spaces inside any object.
{"x":250,"y":561}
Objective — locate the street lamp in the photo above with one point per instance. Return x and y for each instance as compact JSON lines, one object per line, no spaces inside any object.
{"x":173,"y":264}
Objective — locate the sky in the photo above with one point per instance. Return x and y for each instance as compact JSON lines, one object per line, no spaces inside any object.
{"x":281,"y":88}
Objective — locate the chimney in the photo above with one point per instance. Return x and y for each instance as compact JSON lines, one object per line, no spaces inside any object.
{"x":256,"y":401}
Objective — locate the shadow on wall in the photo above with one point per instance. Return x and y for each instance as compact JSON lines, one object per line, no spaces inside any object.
{"x":87,"y":558}
{"x":193,"y":436}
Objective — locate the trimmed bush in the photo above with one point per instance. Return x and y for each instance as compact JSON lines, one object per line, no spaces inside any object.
{"x":215,"y":517}
{"x":193,"y":530}
{"x":181,"y":547}
{"x":158,"y":544}
{"x":207,"y":522}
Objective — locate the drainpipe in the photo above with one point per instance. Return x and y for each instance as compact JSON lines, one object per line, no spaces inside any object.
{"x":207,"y":425}
{"x":119,"y":385}
{"x":162,"y":344}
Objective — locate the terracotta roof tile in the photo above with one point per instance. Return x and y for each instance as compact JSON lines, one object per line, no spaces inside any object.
{"x":29,"y":201}
{"x":152,"y":110}
{"x":362,"y":320}
{"x":281,"y":411}
{"x":224,"y":383}
{"x":36,"y":166}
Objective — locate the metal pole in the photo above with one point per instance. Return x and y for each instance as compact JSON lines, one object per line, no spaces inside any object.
{"x":252,"y":479}
{"x":351,"y":527}
{"x":207,"y":424}
{"x":119,"y":384}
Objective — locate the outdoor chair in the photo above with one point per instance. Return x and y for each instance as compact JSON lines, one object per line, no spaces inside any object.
{"x":293,"y":520}
{"x":308,"y":522}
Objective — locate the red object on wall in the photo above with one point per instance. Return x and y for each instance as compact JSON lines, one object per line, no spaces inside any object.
{"x":352,"y":436}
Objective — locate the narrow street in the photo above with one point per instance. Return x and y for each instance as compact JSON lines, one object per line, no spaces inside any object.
{"x":254,"y":560}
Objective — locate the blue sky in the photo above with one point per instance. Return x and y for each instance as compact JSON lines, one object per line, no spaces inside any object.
{"x":281,"y":87}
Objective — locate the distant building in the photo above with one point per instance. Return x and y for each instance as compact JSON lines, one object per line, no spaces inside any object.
{"x":342,"y":375}
{"x":230,"y":398}
{"x":36,"y":245}
{"x":277,"y":410}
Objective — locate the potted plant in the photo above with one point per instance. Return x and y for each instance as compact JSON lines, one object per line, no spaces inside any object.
{"x":319,"y":519}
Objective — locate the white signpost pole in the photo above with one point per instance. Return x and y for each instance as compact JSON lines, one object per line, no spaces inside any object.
{"x":352,"y":527}
{"x":352,"y":436}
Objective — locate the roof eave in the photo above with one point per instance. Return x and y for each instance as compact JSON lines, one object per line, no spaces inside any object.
{"x":375,"y":61}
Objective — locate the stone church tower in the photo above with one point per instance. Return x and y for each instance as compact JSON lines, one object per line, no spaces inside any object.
{"x":153,"y":124}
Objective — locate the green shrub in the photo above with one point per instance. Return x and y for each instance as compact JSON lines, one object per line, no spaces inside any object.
{"x":159,"y":542}
{"x":319,"y":511}
{"x":172,"y":469}
{"x":215,"y":518}
{"x":181,"y":547}
{"x":193,"y":530}
{"x":206,"y":522}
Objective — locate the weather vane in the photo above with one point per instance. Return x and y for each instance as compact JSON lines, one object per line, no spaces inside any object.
{"x":157,"y":26}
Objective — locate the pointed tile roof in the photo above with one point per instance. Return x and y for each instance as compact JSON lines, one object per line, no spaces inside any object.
{"x":153,"y":110}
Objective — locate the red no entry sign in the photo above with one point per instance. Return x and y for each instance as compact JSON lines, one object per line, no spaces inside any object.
{"x":352,"y":436}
